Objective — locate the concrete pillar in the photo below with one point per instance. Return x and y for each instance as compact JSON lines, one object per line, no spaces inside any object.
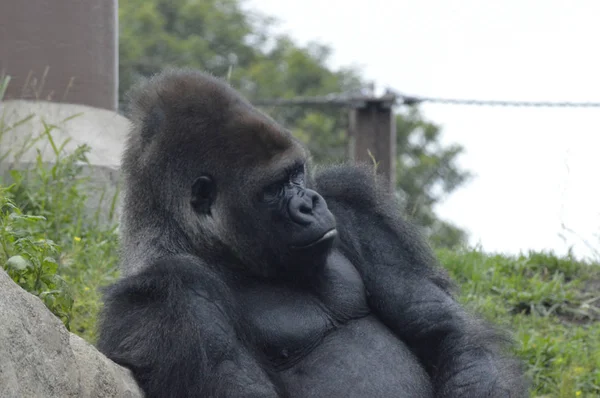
{"x":60,"y":50}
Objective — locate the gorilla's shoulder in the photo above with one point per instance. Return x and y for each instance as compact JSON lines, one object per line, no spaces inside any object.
{"x":162,"y":279}
{"x":353,"y":183}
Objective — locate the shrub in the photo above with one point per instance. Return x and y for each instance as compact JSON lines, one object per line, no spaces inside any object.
{"x":52,"y":244}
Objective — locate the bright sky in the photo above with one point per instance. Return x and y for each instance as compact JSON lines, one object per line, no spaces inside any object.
{"x":535,"y":168}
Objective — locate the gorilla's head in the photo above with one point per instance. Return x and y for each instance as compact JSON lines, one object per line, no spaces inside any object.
{"x":216,"y":177}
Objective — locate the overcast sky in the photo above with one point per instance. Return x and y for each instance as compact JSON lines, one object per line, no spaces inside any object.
{"x":535,"y":168}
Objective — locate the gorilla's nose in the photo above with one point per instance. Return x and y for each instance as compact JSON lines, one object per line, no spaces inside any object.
{"x":302,"y":205}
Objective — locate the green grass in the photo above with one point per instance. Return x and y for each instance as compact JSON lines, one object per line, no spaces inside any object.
{"x":54,"y":249}
{"x":552,"y":306}
{"x":50,"y":244}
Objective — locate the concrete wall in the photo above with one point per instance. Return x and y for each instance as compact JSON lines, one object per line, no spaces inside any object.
{"x":45,"y":44}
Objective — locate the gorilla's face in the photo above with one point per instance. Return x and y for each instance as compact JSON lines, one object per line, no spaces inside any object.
{"x":273,"y":220}
{"x":301,"y":217}
{"x":227,"y":175}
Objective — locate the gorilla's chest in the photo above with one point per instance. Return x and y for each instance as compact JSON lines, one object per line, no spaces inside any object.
{"x":289,"y":322}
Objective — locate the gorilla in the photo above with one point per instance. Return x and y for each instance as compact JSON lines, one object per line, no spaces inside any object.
{"x":246,"y":275}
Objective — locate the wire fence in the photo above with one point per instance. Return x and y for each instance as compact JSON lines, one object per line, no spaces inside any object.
{"x":413,"y":100}
{"x":392,"y":97}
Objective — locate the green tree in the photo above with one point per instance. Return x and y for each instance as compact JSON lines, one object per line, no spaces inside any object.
{"x":213,"y":35}
{"x":288,"y":71}
{"x":427,"y":172}
{"x":220,"y":37}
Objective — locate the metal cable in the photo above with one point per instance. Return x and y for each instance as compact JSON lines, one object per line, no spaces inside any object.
{"x":412,"y":100}
{"x":391,"y":96}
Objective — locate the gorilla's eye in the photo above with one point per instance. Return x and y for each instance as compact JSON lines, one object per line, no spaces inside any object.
{"x":297,"y":175}
{"x":294,"y":175}
{"x":274,"y":190}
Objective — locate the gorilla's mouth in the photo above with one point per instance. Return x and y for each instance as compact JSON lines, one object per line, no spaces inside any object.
{"x":329,"y":235}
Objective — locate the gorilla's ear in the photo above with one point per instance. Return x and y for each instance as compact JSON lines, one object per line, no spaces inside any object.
{"x":204,"y":193}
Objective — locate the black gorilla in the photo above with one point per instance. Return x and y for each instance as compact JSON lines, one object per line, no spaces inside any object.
{"x":246,"y":277}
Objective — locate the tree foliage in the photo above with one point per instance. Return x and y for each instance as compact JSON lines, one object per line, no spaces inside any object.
{"x":221,"y":37}
{"x":427,"y":172}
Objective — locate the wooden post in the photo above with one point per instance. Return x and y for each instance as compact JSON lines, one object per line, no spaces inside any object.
{"x":63,"y":51}
{"x":373,"y":135}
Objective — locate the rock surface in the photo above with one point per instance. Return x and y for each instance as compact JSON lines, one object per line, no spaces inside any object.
{"x":40,"y":358}
{"x":104,"y":131}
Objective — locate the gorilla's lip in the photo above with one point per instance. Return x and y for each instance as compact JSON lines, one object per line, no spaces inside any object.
{"x":332,"y":233}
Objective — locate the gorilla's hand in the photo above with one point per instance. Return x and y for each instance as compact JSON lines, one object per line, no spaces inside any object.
{"x":411,"y":294}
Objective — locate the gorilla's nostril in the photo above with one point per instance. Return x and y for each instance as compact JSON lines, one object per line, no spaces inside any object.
{"x":305,"y":209}
{"x":305,"y":206}
{"x":301,"y":209}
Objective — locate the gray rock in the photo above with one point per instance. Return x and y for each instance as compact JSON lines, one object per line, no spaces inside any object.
{"x":104,"y":131}
{"x":40,"y":358}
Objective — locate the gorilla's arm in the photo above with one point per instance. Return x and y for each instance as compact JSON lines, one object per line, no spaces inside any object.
{"x":411,"y":294}
{"x":173,"y":327}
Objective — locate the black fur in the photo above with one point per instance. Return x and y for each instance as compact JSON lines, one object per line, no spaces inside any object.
{"x":229,"y":292}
